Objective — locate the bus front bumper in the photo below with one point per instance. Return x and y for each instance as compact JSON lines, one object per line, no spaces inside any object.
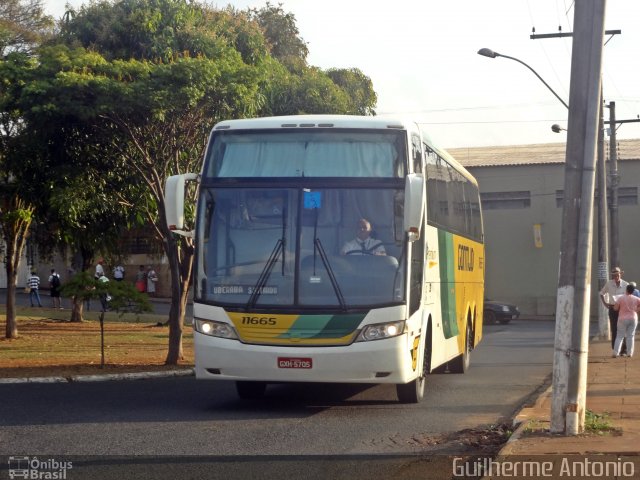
{"x":379,"y":361}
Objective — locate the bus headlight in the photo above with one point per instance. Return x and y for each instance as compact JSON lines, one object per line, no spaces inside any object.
{"x":215,"y":329}
{"x":381,"y":330}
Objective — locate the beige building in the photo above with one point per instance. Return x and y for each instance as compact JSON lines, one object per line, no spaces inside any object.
{"x":522,"y":190}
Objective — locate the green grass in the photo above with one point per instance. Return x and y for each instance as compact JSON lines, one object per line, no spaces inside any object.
{"x":597,"y":423}
{"x":48,"y":344}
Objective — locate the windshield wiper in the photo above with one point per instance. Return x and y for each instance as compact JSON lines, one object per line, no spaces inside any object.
{"x":332,"y":277}
{"x":273,"y":258}
{"x":264,"y":275}
{"x":325,"y":260}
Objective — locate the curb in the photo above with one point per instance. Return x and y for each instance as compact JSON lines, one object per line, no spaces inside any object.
{"x":521,"y":420}
{"x":100,"y":378}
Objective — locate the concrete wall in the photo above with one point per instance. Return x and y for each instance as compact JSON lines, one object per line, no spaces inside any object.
{"x":519,"y":272}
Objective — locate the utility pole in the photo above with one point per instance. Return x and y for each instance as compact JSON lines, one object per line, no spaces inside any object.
{"x":603,"y":229}
{"x":603,"y":225}
{"x":572,"y":308}
{"x":614,"y":181}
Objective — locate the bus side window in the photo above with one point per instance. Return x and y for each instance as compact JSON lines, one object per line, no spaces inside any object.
{"x":417,"y":270}
{"x":416,"y":153}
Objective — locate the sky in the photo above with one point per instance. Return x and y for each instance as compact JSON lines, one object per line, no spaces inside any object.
{"x":422,"y":58}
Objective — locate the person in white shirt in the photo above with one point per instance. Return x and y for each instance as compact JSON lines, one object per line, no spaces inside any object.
{"x":152,"y":278}
{"x":104,"y":298}
{"x":118,"y":273}
{"x":33,"y":283}
{"x":99,"y":269}
{"x":612,"y":289}
{"x":363,"y":244}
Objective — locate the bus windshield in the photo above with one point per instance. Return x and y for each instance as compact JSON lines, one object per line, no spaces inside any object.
{"x":334,"y":247}
{"x":306,"y":153}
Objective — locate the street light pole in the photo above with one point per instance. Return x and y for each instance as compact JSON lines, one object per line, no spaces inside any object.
{"x":487,"y":52}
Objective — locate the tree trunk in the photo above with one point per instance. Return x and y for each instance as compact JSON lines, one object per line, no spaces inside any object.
{"x":180,"y":262}
{"x":12,"y":276}
{"x":77,"y":309}
{"x":12,"y":324}
{"x":15,"y":235}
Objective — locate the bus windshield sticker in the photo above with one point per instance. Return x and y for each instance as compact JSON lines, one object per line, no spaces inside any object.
{"x":312,"y":200}
{"x":243,"y":290}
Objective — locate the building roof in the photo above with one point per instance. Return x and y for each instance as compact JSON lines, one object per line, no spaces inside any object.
{"x":541,"y":153}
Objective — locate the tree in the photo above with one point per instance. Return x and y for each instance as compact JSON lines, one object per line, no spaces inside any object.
{"x":282,"y":35}
{"x":23,"y":25}
{"x":148,"y":120}
{"x":358,"y":88}
{"x":139,"y":84}
{"x":66,"y":170}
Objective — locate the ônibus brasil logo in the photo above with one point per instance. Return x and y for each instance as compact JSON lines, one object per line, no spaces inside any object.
{"x":33,"y":468}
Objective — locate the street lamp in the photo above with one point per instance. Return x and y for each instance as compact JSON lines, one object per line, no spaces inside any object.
{"x":557,"y":128}
{"x":487,"y":52}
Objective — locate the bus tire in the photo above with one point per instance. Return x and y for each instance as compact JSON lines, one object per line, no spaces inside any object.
{"x":461,"y":363}
{"x":250,"y":390}
{"x":412,"y":392}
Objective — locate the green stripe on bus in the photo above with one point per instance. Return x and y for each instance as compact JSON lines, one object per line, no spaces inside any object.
{"x":447,"y":283}
{"x":323,"y":326}
{"x":341,"y":325}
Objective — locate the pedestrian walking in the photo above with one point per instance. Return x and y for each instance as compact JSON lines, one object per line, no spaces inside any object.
{"x":611,"y":290}
{"x":55,"y":284}
{"x":627,"y":307}
{"x":33,"y":283}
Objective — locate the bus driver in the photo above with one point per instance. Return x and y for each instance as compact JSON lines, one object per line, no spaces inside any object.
{"x":363,"y":244}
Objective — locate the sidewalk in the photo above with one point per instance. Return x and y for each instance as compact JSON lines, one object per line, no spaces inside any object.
{"x":613,"y":387}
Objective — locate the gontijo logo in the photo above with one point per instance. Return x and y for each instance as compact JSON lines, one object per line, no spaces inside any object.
{"x":465,"y":258}
{"x":36,"y":469}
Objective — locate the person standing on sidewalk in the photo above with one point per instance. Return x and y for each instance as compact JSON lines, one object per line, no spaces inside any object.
{"x":54,"y":287}
{"x":612,"y":288}
{"x":105,"y":298}
{"x":99,"y":269}
{"x":141,"y":280}
{"x":118,"y":273}
{"x":152,"y":278}
{"x":627,"y":307}
{"x":33,"y":282}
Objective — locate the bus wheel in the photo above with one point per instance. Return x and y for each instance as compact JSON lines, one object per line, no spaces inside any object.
{"x":412,"y":392}
{"x":461,"y":363}
{"x":250,"y":390}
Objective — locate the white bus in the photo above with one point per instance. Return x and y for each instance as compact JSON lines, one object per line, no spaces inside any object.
{"x":280,"y":293}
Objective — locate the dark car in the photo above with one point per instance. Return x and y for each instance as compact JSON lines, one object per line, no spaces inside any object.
{"x":499,"y":312}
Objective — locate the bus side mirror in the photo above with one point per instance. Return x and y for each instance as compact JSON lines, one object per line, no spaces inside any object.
{"x":413,"y":205}
{"x":174,"y":202}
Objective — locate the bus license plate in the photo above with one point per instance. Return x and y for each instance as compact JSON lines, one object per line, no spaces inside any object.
{"x":289,"y":362}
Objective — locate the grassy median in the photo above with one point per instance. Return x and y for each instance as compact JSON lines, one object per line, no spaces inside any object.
{"x":50,"y":345}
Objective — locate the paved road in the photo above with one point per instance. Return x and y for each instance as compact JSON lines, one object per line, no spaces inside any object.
{"x":181,"y":416}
